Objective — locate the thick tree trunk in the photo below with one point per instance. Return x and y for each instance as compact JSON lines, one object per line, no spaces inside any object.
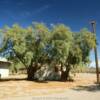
{"x":31,"y":71}
{"x":65,"y":74}
{"x":56,"y":69}
{"x":62,"y":74}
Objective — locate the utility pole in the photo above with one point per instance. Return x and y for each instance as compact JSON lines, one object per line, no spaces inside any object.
{"x":93,"y":23}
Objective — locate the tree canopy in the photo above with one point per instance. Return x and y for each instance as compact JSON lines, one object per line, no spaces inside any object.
{"x":37,"y":45}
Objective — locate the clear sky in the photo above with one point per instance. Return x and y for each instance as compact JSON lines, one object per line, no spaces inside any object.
{"x":74,"y":13}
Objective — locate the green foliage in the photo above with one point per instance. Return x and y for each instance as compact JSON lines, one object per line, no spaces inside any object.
{"x":65,"y":47}
{"x":61,"y":41}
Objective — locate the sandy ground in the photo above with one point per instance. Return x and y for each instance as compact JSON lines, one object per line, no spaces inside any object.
{"x":83,"y":88}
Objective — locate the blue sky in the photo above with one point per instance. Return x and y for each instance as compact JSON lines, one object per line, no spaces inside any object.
{"x":74,"y":13}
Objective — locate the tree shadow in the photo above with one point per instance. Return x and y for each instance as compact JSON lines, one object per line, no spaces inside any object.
{"x":21,"y":79}
{"x":90,"y":88}
{"x":37,"y":81}
{"x":40,"y":81}
{"x":12,"y":79}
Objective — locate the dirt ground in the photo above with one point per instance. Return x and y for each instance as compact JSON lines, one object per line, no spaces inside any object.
{"x":16,"y":88}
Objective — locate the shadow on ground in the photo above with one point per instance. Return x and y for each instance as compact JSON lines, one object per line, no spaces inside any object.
{"x":90,"y":88}
{"x":12,"y":79}
{"x":37,"y":81}
{"x":21,"y":79}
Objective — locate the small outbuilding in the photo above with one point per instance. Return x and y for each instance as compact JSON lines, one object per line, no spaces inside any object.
{"x":4,"y":67}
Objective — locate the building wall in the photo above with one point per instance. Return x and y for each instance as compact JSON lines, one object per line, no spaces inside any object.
{"x":4,"y":72}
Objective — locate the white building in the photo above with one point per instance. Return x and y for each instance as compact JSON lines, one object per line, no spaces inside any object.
{"x":4,"y":67}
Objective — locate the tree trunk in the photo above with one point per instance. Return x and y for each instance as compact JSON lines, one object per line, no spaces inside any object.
{"x":31,"y":71}
{"x":65,"y":74}
{"x":62,"y":74}
{"x":56,"y":69}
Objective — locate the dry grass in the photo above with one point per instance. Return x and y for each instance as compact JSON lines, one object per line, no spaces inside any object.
{"x":23,"y":87}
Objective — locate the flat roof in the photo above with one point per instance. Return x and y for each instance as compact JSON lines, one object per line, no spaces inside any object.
{"x":7,"y":62}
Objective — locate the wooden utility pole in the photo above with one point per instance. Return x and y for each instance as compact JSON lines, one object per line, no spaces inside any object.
{"x":93,"y":23}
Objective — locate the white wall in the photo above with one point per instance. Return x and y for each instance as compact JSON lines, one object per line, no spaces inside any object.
{"x":4,"y":72}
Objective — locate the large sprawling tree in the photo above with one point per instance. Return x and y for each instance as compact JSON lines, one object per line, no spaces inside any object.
{"x":38,"y":45}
